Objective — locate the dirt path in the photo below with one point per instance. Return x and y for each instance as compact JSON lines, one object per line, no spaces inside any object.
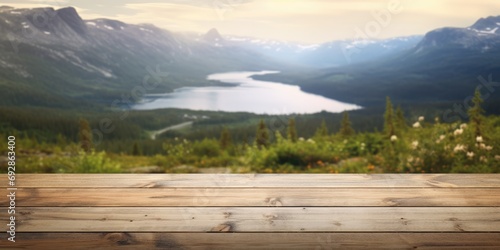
{"x":154,"y":134}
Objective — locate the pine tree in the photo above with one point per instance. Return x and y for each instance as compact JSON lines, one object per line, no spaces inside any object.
{"x":135,"y":149}
{"x":225,"y":140}
{"x":400,"y":121}
{"x":292,"y":131}
{"x":322,"y":131}
{"x":389,"y":129}
{"x":476,"y":113}
{"x":262,"y":137}
{"x":346,"y":129}
{"x":279,"y":137}
{"x":85,"y":136}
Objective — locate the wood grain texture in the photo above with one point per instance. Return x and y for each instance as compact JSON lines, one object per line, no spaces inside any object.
{"x":257,"y":180}
{"x":248,"y":219}
{"x":255,"y":211}
{"x":264,"y":197}
{"x":318,"y":241}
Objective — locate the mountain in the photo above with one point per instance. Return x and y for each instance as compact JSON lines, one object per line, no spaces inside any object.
{"x":213,"y":36}
{"x":481,"y":36}
{"x":338,"y":53}
{"x":445,"y":66}
{"x":334,"y":53}
{"x":53,"y":57}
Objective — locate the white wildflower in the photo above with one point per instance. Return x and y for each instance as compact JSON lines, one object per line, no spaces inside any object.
{"x":458,"y":132}
{"x":394,"y":138}
{"x":497,"y":157}
{"x":479,"y":139}
{"x":301,"y":138}
{"x":483,"y":158}
{"x":470,"y":154}
{"x":416,"y":125}
{"x":489,"y":148}
{"x":459,"y":147}
{"x":421,"y":119}
{"x":414,"y":144}
{"x":463,"y":126}
{"x":410,"y":159}
{"x":311,"y":141}
{"x":441,"y":138}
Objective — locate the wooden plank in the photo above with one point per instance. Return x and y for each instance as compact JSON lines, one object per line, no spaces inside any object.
{"x":257,"y":180}
{"x":319,"y":241}
{"x":265,"y":197}
{"x":272,"y":219}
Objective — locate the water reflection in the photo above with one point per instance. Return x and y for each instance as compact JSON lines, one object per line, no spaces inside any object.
{"x":260,"y":97}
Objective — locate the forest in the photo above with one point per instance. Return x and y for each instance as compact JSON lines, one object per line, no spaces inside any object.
{"x":68,"y":142}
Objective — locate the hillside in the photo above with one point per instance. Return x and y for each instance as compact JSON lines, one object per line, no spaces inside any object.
{"x":62,"y":60}
{"x":446,"y":66}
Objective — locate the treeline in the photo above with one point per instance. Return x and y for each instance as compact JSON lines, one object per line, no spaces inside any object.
{"x":419,"y":144}
{"x":132,"y":128}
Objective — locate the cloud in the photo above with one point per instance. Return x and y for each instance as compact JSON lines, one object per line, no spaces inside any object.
{"x":180,"y":17}
{"x":35,"y":3}
{"x":309,"y":21}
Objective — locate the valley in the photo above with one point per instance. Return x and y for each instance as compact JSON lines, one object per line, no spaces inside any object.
{"x":182,"y":102}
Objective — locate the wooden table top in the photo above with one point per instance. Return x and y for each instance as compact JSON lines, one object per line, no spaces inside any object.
{"x":254,"y":211}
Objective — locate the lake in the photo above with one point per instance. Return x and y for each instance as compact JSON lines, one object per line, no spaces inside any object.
{"x":248,"y":95}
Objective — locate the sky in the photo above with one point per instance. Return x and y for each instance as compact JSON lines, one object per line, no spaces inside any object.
{"x":304,"y":21}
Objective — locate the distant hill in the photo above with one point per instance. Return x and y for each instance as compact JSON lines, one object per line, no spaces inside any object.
{"x":55,"y":58}
{"x":445,"y":66}
{"x":334,"y":53}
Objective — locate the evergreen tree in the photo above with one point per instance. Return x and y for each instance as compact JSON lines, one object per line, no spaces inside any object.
{"x":292,"y":131}
{"x":476,"y":113}
{"x":389,"y":129}
{"x":85,"y":136}
{"x":400,"y":121}
{"x":346,"y":129}
{"x":279,"y":137}
{"x":135,"y":149}
{"x":225,"y":140}
{"x":262,"y":137}
{"x":322,"y":131}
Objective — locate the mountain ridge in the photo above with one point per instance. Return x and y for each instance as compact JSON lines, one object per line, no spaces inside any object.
{"x":96,"y":61}
{"x":446,"y":67}
{"x":482,"y":35}
{"x":59,"y":55}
